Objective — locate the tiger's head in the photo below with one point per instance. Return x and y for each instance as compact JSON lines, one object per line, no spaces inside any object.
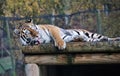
{"x":26,"y":34}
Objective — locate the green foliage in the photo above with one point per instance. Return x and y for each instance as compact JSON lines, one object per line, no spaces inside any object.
{"x":111,"y":24}
{"x":2,"y":5}
{"x":21,"y":8}
{"x":39,"y":7}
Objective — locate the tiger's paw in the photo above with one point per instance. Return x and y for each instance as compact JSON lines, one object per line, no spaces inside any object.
{"x":60,"y":45}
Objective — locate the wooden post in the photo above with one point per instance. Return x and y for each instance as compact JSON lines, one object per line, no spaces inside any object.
{"x":67,"y":11}
{"x":53,"y":18}
{"x":32,"y":70}
{"x":9,"y":43}
{"x":99,"y":25}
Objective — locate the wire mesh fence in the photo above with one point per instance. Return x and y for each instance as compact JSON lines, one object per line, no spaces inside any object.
{"x":100,"y":21}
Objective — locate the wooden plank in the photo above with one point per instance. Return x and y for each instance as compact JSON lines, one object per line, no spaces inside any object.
{"x":63,"y":59}
{"x":5,"y":64}
{"x":46,"y":59}
{"x":74,"y":47}
{"x":97,"y":58}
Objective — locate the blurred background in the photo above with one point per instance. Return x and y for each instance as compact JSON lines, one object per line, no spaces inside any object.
{"x":101,"y":16}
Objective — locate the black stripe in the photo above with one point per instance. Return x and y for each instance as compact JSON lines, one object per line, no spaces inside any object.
{"x":87,"y":35}
{"x":99,"y":36}
{"x":23,"y":38}
{"x":92,"y":35}
{"x":77,"y":32}
{"x":64,"y":36}
{"x":46,"y":32}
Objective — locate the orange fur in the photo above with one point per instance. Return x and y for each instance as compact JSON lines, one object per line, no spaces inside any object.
{"x":33,"y":32}
{"x":55,"y":32}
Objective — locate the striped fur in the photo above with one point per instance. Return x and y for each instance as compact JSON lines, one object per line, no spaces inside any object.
{"x":38,"y":34}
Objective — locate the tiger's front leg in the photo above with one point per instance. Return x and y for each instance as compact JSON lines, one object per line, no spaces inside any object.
{"x":58,"y":41}
{"x":60,"y":44}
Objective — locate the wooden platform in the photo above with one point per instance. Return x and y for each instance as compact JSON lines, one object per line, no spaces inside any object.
{"x":75,"y":53}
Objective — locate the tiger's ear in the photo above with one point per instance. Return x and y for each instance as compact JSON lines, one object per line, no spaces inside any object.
{"x":29,"y":21}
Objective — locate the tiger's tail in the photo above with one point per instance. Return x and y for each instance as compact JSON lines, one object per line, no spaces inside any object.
{"x":114,"y":39}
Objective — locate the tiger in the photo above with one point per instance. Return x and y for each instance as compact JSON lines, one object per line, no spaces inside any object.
{"x":32,"y":34}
